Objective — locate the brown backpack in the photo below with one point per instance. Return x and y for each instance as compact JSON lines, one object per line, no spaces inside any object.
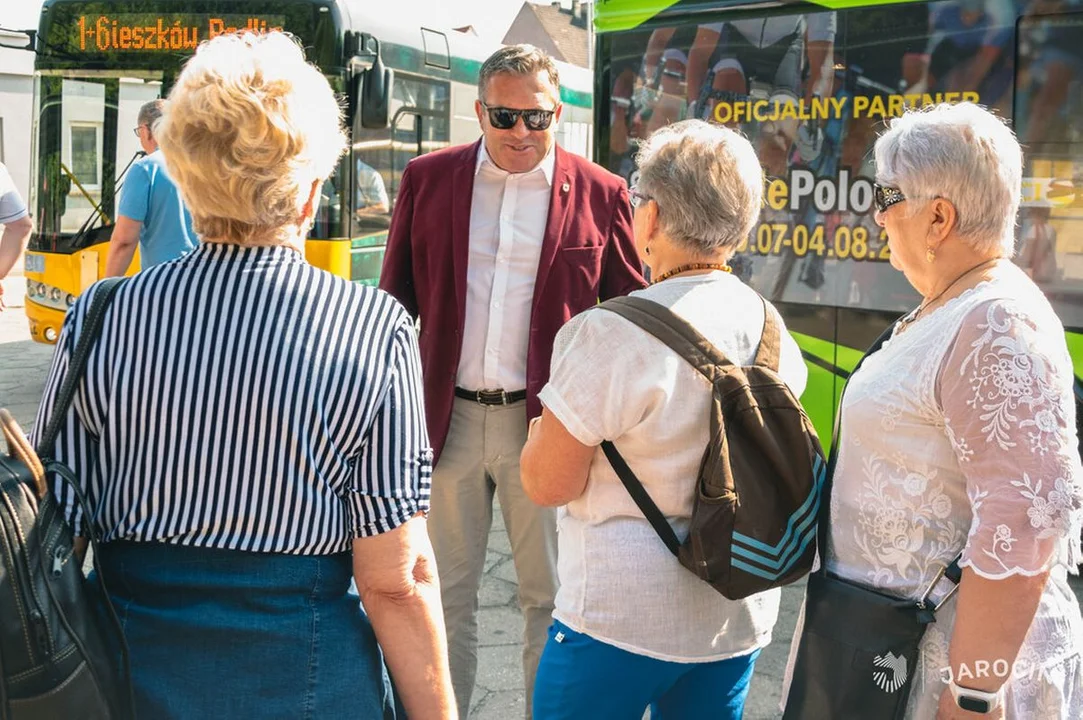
{"x":753,"y":524}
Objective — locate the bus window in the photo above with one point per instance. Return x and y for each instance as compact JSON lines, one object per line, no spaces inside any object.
{"x":419,"y":125}
{"x":86,"y":144}
{"x":1049,"y":244}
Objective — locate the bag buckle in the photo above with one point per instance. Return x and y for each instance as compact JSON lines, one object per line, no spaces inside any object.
{"x":941,"y":574}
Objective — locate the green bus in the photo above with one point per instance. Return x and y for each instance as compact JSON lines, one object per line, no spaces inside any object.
{"x":407,"y":88}
{"x":810,"y":84}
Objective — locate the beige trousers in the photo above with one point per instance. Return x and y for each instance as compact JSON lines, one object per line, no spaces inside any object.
{"x":480,"y":457}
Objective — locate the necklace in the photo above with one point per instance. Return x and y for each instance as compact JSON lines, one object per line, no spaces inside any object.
{"x":690,"y":266}
{"x":921,"y":308}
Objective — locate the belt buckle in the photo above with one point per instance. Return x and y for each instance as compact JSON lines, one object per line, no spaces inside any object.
{"x":923,"y":601}
{"x":495,"y":397}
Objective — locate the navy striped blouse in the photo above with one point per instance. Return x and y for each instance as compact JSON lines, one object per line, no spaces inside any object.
{"x":240,"y":398}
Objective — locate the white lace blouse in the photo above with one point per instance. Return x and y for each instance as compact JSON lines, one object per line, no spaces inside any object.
{"x":959,"y":435}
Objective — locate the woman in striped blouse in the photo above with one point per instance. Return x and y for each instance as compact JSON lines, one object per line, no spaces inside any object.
{"x":250,"y":432}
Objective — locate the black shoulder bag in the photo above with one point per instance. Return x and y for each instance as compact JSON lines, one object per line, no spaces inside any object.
{"x":859,"y":648}
{"x":57,"y":651}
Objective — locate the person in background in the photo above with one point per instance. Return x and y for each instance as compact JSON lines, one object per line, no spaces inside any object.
{"x":632,"y":627}
{"x":250,"y":432}
{"x":371,"y":191}
{"x":958,"y":437}
{"x":17,"y":224}
{"x":151,"y":214}
{"x":495,"y":245}
{"x":1037,"y":246}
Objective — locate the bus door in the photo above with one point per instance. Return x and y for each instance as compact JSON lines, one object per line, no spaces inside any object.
{"x":419,"y":124}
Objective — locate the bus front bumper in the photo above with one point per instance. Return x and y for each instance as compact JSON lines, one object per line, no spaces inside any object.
{"x":45,"y":322}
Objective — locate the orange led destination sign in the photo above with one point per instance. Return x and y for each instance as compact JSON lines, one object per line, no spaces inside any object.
{"x":120,"y":33}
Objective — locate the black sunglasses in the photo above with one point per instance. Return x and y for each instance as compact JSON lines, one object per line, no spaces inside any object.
{"x":503,"y":118}
{"x":884,"y":196}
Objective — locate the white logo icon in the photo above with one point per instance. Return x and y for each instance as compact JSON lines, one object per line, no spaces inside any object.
{"x":893,"y":675}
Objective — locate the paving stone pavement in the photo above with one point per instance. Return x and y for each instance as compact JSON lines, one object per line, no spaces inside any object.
{"x":499,"y":692}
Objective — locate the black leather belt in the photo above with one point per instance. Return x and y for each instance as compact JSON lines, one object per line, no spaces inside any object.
{"x":491,"y":397}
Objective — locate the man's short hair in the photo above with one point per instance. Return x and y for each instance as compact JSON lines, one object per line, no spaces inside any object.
{"x":150,"y":113}
{"x":518,"y":60}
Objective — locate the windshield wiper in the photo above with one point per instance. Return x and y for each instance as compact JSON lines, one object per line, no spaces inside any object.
{"x":96,"y":212}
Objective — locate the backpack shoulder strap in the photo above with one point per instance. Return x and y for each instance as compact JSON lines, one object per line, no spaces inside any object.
{"x":92,"y":325}
{"x":671,"y":329}
{"x":641,"y":497}
{"x":770,"y":341}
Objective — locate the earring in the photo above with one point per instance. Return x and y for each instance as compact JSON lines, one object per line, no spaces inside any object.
{"x":647,"y":250}
{"x":930,"y":255}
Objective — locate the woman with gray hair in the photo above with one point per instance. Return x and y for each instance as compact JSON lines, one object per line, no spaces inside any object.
{"x":957,"y":443}
{"x":632,"y":627}
{"x":250,"y":431}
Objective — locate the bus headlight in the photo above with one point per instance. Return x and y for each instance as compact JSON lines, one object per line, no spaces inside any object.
{"x":50,"y":334}
{"x":49,"y":296}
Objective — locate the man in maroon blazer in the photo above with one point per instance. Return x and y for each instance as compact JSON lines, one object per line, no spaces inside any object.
{"x":494,"y":246}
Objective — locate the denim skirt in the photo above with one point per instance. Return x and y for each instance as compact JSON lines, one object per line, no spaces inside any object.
{"x":231,"y":634}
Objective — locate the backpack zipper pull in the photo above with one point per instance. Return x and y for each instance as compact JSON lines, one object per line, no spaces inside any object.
{"x":58,"y":560}
{"x":41,"y":633}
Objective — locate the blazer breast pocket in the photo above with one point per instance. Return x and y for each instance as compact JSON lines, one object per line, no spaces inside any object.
{"x":583,"y":267}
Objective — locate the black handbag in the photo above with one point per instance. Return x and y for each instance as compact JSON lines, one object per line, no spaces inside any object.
{"x":858,"y":650}
{"x":57,"y":650}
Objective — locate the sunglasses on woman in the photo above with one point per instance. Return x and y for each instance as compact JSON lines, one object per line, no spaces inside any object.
{"x":503,"y":118}
{"x":884,"y":196}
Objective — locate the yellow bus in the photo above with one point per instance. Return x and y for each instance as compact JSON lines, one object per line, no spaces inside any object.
{"x":408,"y":89}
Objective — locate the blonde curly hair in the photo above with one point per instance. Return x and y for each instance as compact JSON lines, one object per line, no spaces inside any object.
{"x":247,"y":129}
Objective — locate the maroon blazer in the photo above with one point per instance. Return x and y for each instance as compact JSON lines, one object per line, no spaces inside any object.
{"x":587,"y":254}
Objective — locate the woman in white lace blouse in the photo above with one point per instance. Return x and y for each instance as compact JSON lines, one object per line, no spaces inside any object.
{"x":959,"y":436}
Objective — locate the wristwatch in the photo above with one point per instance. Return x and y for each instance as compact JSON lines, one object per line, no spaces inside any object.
{"x":975,"y":701}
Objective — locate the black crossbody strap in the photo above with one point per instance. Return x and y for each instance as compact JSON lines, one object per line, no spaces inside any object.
{"x":92,"y":324}
{"x":642,"y":498}
{"x":953,"y":572}
{"x":825,"y":497}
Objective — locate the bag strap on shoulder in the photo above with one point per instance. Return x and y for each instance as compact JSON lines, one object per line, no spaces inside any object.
{"x":770,"y":341}
{"x":673,"y":330}
{"x":688,"y":342}
{"x":92,"y":324}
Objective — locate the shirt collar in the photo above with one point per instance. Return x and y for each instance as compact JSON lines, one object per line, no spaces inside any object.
{"x":547,"y":166}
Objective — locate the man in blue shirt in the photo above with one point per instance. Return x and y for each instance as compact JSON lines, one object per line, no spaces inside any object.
{"x":151,"y":213}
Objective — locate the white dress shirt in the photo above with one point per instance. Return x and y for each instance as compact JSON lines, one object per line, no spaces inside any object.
{"x":508,"y":214}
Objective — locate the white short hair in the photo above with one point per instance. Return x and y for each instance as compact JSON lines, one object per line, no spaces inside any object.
{"x":964,"y":154}
{"x":707,"y":181}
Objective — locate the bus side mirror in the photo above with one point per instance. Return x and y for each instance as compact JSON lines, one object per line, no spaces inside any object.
{"x":375,"y":96}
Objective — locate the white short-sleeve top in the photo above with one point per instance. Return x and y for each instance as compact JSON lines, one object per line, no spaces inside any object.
{"x":611,"y":380}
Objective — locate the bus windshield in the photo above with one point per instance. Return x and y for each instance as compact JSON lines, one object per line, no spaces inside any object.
{"x":97,"y":64}
{"x":86,"y":143}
